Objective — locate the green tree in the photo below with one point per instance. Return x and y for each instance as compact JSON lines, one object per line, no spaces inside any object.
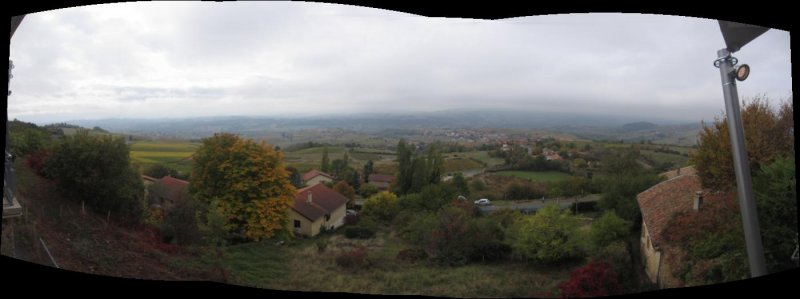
{"x":623,"y":179}
{"x":338,"y":168}
{"x":180,"y":222}
{"x":295,"y":177}
{"x":434,"y":165}
{"x":607,"y":229}
{"x":381,"y":207}
{"x":460,"y":183}
{"x":420,"y":175}
{"x":548,"y":237}
{"x":27,"y":138}
{"x":775,"y":187}
{"x":430,"y":198}
{"x":477,"y":185}
{"x":769,"y":134}
{"x":579,"y":163}
{"x":97,"y":169}
{"x":247,"y":181}
{"x":325,"y":167}
{"x":344,"y":189}
{"x":369,"y":167}
{"x":367,"y":190}
{"x":405,"y":169}
{"x":355,"y":179}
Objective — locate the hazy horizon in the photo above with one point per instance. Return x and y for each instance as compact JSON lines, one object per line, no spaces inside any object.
{"x":189,"y":60}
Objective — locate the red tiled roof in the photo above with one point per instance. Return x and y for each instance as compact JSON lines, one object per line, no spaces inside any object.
{"x":673,"y":173}
{"x":662,"y":201}
{"x":148,"y":178}
{"x":377,"y":177}
{"x":323,"y":201}
{"x":310,"y":211}
{"x":313,"y":173}
{"x":172,"y":187}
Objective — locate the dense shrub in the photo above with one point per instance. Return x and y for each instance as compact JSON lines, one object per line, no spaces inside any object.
{"x":548,"y":237}
{"x":593,"y":280}
{"x":489,"y":251}
{"x":180,"y":222}
{"x":607,"y":229}
{"x":321,"y":244}
{"x":358,"y":233}
{"x":619,"y":258}
{"x":353,"y":259}
{"x":36,"y":161}
{"x":97,"y":170}
{"x":413,"y":254}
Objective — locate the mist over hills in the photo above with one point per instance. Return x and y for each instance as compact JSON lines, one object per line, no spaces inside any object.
{"x":584,"y":126}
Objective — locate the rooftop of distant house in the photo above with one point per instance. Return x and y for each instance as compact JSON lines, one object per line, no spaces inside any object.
{"x":313,"y":173}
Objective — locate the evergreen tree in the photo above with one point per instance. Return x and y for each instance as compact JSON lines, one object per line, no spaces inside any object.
{"x":325,"y":167}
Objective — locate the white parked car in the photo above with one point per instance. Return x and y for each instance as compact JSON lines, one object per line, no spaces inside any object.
{"x":483,"y":202}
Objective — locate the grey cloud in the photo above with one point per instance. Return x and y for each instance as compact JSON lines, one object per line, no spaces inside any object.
{"x":262,"y":58}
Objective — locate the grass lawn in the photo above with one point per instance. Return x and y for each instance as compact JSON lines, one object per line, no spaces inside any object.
{"x":299,"y":266}
{"x":258,"y":264}
{"x":539,"y":176}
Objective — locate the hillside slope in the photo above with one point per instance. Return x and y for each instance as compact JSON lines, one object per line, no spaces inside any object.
{"x":86,"y":242}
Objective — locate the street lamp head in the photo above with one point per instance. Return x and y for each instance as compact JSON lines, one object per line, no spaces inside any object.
{"x":736,"y":35}
{"x":742,"y":72}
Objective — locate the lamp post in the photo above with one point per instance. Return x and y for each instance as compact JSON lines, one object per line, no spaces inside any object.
{"x":737,"y":35}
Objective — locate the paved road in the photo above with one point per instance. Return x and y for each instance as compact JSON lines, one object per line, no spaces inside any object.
{"x":533,"y":205}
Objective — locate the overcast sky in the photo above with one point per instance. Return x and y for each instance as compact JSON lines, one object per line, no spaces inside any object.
{"x":152,"y":60}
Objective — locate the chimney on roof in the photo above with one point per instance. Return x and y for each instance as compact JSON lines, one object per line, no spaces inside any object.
{"x":679,"y":171}
{"x":698,"y":200}
{"x":309,"y":197}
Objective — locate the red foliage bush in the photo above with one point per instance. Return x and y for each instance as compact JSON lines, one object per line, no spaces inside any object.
{"x":593,"y":280}
{"x":354,"y":259}
{"x":36,"y":161}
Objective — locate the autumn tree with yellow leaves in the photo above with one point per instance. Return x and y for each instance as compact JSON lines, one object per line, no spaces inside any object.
{"x":768,"y":134}
{"x":244,"y":181}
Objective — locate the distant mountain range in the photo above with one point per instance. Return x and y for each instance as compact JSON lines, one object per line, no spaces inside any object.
{"x":586,"y":126}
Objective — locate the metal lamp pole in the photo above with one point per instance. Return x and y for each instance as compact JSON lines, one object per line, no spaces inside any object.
{"x":752,"y":234}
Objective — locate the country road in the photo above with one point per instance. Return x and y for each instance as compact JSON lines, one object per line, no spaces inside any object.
{"x":533,"y":205}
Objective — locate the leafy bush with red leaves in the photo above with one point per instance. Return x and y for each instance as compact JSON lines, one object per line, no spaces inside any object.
{"x":353,"y":259}
{"x":36,"y":161}
{"x":593,"y":280}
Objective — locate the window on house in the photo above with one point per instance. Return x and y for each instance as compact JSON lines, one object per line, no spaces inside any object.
{"x":297,"y":224}
{"x":327,"y":217}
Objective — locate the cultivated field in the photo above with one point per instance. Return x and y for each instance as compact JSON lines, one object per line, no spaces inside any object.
{"x":538,"y":176}
{"x":174,"y":154}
